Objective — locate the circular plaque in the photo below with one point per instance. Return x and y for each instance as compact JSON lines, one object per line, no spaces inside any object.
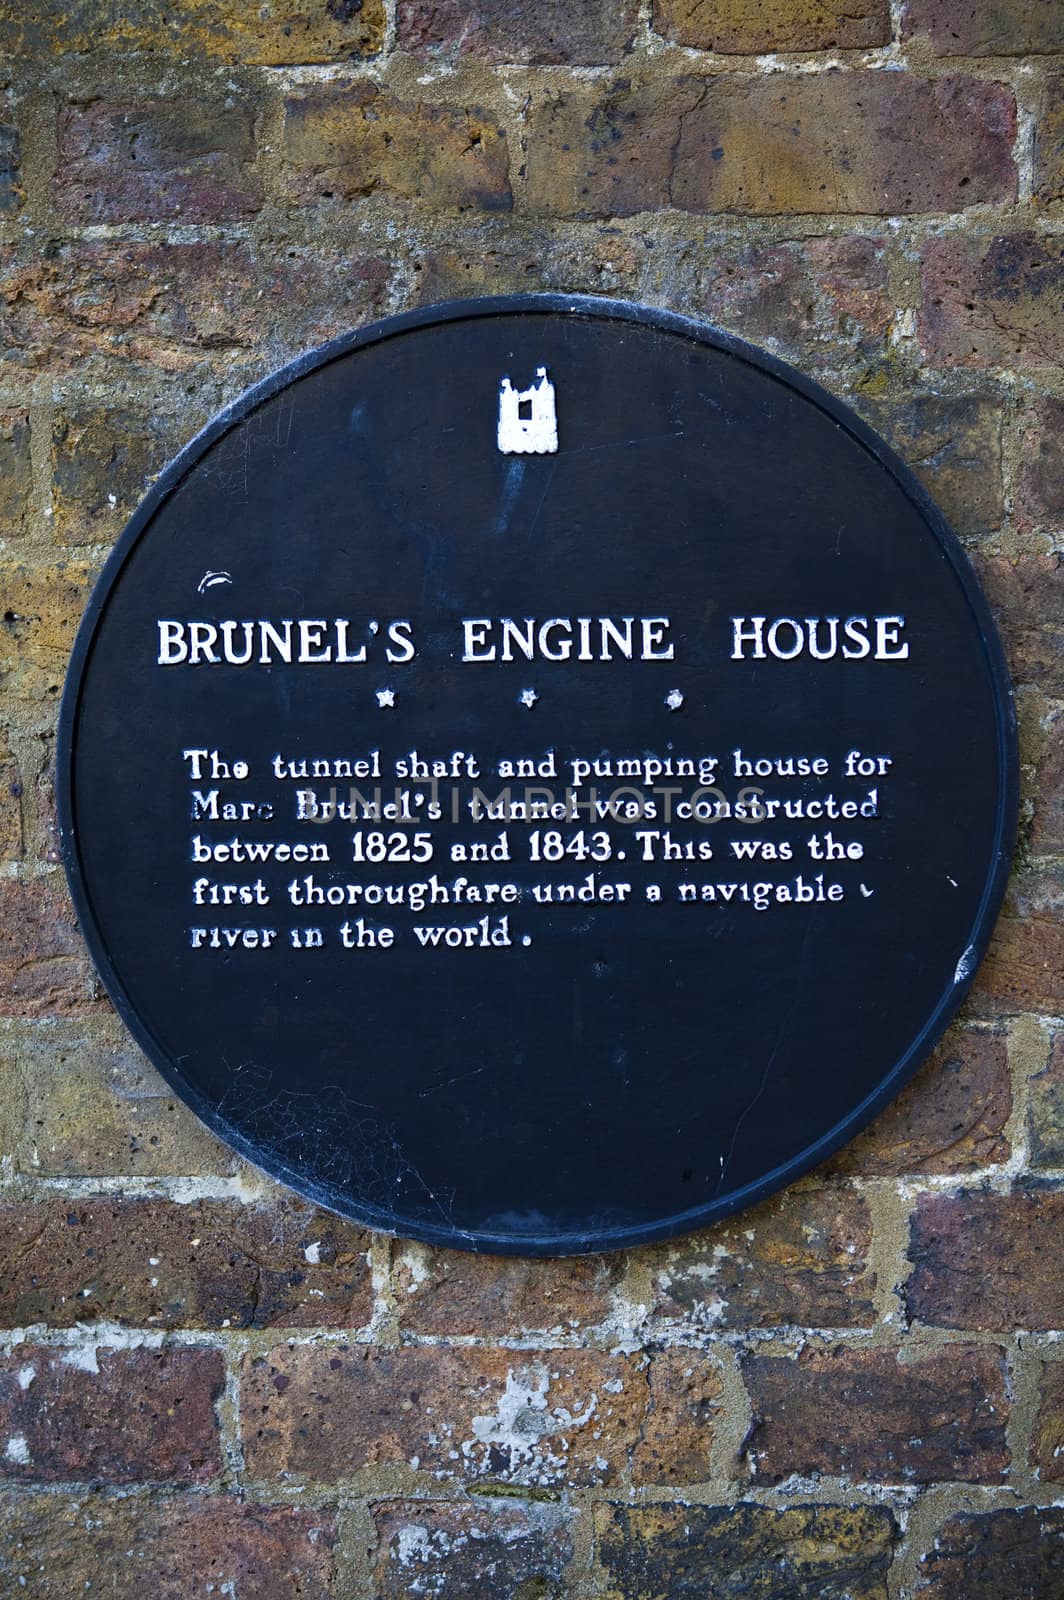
{"x":537,"y":775}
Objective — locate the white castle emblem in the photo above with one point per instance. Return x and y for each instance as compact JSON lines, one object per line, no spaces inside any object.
{"x":528,"y":421}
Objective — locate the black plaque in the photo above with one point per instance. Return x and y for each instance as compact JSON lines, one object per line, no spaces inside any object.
{"x":537,"y":775}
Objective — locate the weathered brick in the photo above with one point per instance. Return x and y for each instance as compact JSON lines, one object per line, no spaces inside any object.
{"x":815,"y":300}
{"x":952,"y":1118}
{"x":1046,"y":1092}
{"x":1047,"y":1440}
{"x":993,"y":301}
{"x":1040,"y":490}
{"x":359,"y":139}
{"x":79,"y":1102}
{"x":207,"y":1264}
{"x":10,"y":804}
{"x":505,"y":1549}
{"x":16,"y":473}
{"x":866,"y":1414}
{"x":845,"y":142}
{"x":986,"y":27}
{"x":953,"y":444}
{"x":997,"y":1554}
{"x":284,"y":33}
{"x":1027,"y":595}
{"x":556,"y":1417}
{"x":110,"y":1416}
{"x":1049,"y":140}
{"x":1046,"y":791}
{"x":53,"y":1547}
{"x":451,"y":1292}
{"x":12,"y":194}
{"x":103,"y":459}
{"x":987,"y":1261}
{"x":741,"y":27}
{"x":44,"y":970}
{"x":152,"y":160}
{"x":42,"y":609}
{"x":543,"y":32}
{"x":504,"y":255}
{"x":672,"y":1552}
{"x":42,"y":823}
{"x":1024,"y":966}
{"x":174,"y":305}
{"x":800,"y":1258}
{"x":686,"y":1394}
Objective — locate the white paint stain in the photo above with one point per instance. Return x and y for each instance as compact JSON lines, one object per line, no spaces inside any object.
{"x":312,"y":1253}
{"x":413,"y":1544}
{"x":415,"y":1258}
{"x":82,"y":1359}
{"x":26,"y":1376}
{"x":17,"y":1450}
{"x":965,"y":965}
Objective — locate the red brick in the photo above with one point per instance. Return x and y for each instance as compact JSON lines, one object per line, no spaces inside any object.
{"x":449,"y":1292}
{"x":543,"y":32}
{"x":993,"y":301}
{"x":1000,"y":1553}
{"x":1046,"y":792}
{"x":153,"y":160}
{"x":1027,"y":595}
{"x":1049,"y":140}
{"x":53,"y":1547}
{"x":665,"y":1552}
{"x":817,"y":300}
{"x":987,"y":1261}
{"x":557,"y":1417}
{"x":154,"y":1264}
{"x":1024,"y":970}
{"x":502,"y":1549}
{"x":986,"y":27}
{"x":1046,"y":1094}
{"x":16,"y":473}
{"x":110,"y":1416}
{"x":686,"y":1395}
{"x":44,"y":970}
{"x":846,"y":142}
{"x":749,"y":27}
{"x":1040,"y":491}
{"x":285,"y":33}
{"x":952,"y":1118}
{"x":866,"y":1414}
{"x":1047,"y":1441}
{"x":357,"y":140}
{"x":801,"y":1258}
{"x":175,"y":305}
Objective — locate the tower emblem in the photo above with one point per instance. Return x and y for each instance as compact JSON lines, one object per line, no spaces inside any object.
{"x":528,"y":421}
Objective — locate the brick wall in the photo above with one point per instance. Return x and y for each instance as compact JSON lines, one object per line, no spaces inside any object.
{"x":206,"y":1386}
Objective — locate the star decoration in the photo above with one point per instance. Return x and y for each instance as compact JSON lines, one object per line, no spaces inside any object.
{"x":386,"y":697}
{"x":674,"y":699}
{"x":528,"y":697}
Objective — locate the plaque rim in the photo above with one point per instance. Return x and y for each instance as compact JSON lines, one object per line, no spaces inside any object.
{"x":588,"y":1241}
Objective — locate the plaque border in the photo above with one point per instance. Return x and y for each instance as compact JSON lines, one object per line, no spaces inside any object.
{"x":598,"y":307}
